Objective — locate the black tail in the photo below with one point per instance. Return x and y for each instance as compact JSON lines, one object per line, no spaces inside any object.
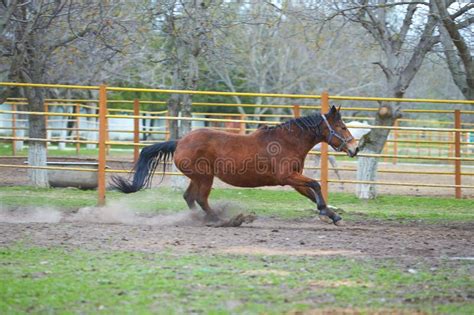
{"x":149,"y":159}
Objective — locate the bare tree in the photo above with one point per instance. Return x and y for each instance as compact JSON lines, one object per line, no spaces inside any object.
{"x":405,"y":32}
{"x":33,"y":35}
{"x":286,"y":50}
{"x":260,"y":58}
{"x":457,"y":18}
{"x":187,"y":30}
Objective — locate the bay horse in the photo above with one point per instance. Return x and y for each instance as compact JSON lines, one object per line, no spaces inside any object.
{"x":269,"y":156}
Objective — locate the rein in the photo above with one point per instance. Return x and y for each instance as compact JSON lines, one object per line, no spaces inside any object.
{"x":333,"y":133}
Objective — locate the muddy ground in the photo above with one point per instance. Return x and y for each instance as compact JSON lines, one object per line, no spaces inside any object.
{"x":187,"y":232}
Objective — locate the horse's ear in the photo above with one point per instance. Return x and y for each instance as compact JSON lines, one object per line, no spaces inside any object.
{"x":333,"y":110}
{"x":339,"y":108}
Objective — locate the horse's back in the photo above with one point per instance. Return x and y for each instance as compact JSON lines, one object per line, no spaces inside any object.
{"x":212,"y":144}
{"x":211,"y":139}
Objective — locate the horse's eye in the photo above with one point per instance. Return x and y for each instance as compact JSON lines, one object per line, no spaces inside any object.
{"x":344,"y":128}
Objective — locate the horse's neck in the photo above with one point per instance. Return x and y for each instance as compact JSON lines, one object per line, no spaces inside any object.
{"x":303,"y":140}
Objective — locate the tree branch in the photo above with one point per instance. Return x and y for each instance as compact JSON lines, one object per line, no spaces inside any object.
{"x":425,"y":44}
{"x":366,"y":5}
{"x":70,"y":39}
{"x":458,"y":40}
{"x":9,"y":9}
{"x":407,"y":22}
{"x":461,"y":11}
{"x":465,"y":23}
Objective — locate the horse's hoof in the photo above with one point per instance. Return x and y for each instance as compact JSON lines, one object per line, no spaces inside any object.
{"x":212,"y":219}
{"x":235,"y":221}
{"x":337,"y":220}
{"x":249,"y":218}
{"x":325,"y":219}
{"x":216,"y":224}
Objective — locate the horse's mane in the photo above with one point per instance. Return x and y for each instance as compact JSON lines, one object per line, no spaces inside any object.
{"x":309,"y":122}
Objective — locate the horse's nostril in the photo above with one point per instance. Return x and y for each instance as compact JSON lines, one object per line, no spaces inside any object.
{"x":354,"y":152}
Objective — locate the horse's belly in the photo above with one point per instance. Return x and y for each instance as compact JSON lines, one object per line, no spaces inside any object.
{"x":248,"y":180}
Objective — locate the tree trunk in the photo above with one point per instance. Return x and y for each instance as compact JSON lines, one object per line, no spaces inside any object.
{"x":367,"y":171}
{"x":37,"y":153}
{"x":185,"y":77}
{"x":178,"y":183}
{"x":373,"y":143}
{"x":185,"y":37}
{"x":182,"y":104}
{"x":186,"y":125}
{"x":192,"y":75}
{"x":173,"y":111}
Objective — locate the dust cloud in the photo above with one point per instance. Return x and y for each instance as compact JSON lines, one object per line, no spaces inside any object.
{"x":29,"y":215}
{"x":115,"y":212}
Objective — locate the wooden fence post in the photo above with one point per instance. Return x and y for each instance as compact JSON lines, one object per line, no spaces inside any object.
{"x":136,"y":130}
{"x":324,"y":151}
{"x":296,"y":111}
{"x":13,"y":129}
{"x":457,"y":153}
{"x":242,"y":125}
{"x":77,"y":132}
{"x":102,"y":144}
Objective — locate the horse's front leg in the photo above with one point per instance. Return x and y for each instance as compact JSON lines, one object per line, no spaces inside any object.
{"x":312,"y":190}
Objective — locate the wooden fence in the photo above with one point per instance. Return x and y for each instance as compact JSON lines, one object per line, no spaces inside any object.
{"x":238,"y":122}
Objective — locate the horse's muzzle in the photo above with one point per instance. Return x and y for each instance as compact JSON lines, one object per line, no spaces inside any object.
{"x":352,"y":152}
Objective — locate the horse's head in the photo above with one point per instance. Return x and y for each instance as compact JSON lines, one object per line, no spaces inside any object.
{"x":336,"y":133}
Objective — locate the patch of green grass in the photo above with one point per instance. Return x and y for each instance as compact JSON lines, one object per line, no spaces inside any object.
{"x":407,"y":207}
{"x":57,"y":281}
{"x":264,"y":202}
{"x":68,"y":198}
{"x":6,"y":150}
{"x":115,"y":151}
{"x":290,"y":204}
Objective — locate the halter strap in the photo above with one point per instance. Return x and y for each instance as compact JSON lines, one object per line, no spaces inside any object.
{"x":333,"y":133}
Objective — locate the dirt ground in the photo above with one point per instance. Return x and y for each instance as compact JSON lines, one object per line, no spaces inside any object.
{"x":186,"y":232}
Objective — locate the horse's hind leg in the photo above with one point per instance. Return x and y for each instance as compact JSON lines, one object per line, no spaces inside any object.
{"x":205,"y":185}
{"x":203,"y":191}
{"x":190,"y":194}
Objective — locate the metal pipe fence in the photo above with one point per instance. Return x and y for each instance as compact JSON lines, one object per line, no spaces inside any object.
{"x":451,"y":139}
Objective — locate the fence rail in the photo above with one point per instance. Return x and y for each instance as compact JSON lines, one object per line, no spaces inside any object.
{"x":453,"y":135}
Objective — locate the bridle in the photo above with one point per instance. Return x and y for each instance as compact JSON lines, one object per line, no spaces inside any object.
{"x":333,"y":133}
